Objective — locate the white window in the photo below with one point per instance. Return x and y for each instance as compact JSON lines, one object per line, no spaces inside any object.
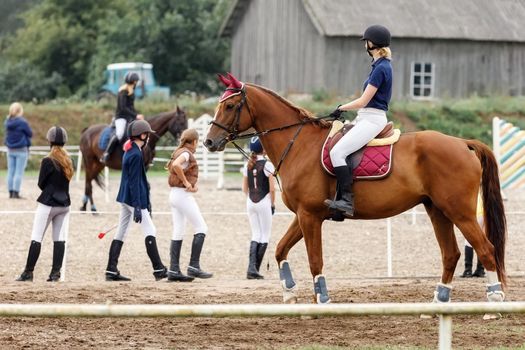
{"x":422,"y":80}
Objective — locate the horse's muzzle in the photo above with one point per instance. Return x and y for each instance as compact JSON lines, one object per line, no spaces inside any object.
{"x":214,"y":146}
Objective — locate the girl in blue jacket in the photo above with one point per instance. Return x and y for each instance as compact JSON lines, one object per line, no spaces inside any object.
{"x":133,"y":195}
{"x":18,"y":135}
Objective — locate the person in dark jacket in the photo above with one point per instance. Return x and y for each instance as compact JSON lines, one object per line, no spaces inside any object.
{"x":56,"y":170}
{"x":133,"y":195}
{"x":124,"y":114}
{"x":18,"y":135}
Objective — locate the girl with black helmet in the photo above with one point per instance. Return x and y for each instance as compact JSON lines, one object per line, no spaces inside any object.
{"x":56,"y":170}
{"x":372,"y":106}
{"x":125,"y":112}
{"x":133,"y":195}
{"x":259,"y":187}
{"x":183,"y":176}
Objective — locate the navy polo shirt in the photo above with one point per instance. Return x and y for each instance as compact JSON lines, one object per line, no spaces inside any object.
{"x":381,"y":78}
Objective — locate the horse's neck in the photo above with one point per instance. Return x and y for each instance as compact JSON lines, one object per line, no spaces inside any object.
{"x":160,"y":123}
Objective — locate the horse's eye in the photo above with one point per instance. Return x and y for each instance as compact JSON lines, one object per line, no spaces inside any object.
{"x":230,"y":106}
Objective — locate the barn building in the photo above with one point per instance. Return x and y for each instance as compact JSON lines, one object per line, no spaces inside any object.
{"x":446,"y":48}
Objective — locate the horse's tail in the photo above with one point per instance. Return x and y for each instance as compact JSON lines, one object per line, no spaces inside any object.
{"x":494,"y":212}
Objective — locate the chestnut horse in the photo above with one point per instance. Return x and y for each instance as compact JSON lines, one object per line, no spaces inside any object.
{"x":175,"y":122}
{"x":442,"y":172}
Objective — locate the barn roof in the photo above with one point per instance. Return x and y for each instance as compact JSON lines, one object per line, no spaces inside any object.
{"x":482,"y":20}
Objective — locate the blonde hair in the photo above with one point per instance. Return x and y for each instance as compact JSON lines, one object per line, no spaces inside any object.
{"x":188,"y":136}
{"x":61,"y":157}
{"x":385,"y":52}
{"x":129,"y":87}
{"x":15,"y":109}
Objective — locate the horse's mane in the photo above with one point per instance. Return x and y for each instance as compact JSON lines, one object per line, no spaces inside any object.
{"x":302,"y":112}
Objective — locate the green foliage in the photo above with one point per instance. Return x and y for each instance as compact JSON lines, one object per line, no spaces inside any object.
{"x":76,"y":40}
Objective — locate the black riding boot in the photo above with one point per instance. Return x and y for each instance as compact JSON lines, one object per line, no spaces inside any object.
{"x":113,"y":141}
{"x":469,"y":255}
{"x":174,"y":273}
{"x":261,"y":250}
{"x":345,"y":201}
{"x":253,"y":273}
{"x":112,"y":273}
{"x":32,"y":258}
{"x":480,"y":270}
{"x":194,"y":269}
{"x":159,"y":270}
{"x":58,"y":257}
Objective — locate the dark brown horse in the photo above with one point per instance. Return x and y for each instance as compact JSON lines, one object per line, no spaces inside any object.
{"x":443,"y":173}
{"x":175,"y":122}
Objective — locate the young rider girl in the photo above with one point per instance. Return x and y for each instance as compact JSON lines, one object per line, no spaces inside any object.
{"x":56,"y":170}
{"x":259,"y":187}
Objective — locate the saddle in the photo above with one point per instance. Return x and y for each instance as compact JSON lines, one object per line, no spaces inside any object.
{"x":372,"y":162}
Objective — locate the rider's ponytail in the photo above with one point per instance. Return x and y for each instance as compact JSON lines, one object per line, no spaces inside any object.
{"x":252,"y":160}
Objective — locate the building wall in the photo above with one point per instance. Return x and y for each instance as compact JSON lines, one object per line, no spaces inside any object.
{"x":276,"y":45}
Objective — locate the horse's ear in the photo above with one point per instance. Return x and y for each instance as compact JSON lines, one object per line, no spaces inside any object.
{"x":224,"y":80}
{"x":235,"y":83}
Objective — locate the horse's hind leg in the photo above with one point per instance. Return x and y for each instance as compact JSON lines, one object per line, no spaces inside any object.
{"x":291,"y":237}
{"x":444,"y":231}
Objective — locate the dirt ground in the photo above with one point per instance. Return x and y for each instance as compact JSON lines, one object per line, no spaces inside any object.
{"x":355,"y":266}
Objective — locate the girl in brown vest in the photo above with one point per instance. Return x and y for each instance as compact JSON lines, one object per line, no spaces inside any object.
{"x":183,"y":175}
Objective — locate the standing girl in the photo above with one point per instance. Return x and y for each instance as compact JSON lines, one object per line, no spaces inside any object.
{"x":183,"y":176}
{"x":259,"y":187}
{"x":133,"y":195}
{"x":18,"y":135}
{"x":371,"y":116}
{"x":56,"y":170}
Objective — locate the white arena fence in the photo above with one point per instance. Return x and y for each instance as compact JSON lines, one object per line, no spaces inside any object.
{"x":445,"y":311}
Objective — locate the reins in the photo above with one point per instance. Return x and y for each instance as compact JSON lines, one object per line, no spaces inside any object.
{"x":234,"y":133}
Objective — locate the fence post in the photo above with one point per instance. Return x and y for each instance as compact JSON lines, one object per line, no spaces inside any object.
{"x":79,"y":166}
{"x":389,"y":246}
{"x":220,"y":177}
{"x":106,"y":183}
{"x":445,"y":332}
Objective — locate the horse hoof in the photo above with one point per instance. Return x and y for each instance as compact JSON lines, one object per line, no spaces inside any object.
{"x":492,"y":316}
{"x":82,"y":209}
{"x":289,"y":297}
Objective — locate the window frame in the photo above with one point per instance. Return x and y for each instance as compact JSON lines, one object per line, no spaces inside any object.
{"x":422,"y":74}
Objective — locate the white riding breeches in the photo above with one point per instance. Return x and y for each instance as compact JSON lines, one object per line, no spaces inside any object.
{"x":44,"y":215}
{"x":126,"y":216}
{"x":260,"y":217}
{"x":368,"y":124}
{"x":183,"y":206}
{"x":120,"y":128}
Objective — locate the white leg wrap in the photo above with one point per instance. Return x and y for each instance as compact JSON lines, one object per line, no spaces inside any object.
{"x":492,"y":277}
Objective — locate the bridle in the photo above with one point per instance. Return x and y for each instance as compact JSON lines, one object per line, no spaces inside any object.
{"x":234,"y":134}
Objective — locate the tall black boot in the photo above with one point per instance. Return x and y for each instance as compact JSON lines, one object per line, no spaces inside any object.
{"x":58,"y":257}
{"x":32,"y":258}
{"x":253,"y":273}
{"x":345,"y":203}
{"x":469,"y":255}
{"x":174,"y":273}
{"x":113,"y":141}
{"x":194,"y":269}
{"x":112,"y":273}
{"x":159,"y":270}
{"x":261,"y":250}
{"x":480,"y":270}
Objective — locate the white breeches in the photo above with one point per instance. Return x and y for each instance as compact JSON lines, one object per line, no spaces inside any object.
{"x":184,"y":206}
{"x":44,"y":215}
{"x":120,"y":128}
{"x":368,"y":124}
{"x":260,"y":217}
{"x":126,"y":216}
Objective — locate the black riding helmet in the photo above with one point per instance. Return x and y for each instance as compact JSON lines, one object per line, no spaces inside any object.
{"x":139,"y":127}
{"x":378,"y":35}
{"x":131,"y":77}
{"x":57,"y":136}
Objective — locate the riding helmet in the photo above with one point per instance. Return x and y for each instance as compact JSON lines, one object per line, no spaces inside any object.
{"x":139,"y":127}
{"x":131,"y":77}
{"x":256,"y":145}
{"x":57,"y":136}
{"x":378,"y":35}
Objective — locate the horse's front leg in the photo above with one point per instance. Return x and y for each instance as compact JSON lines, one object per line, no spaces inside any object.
{"x":291,"y":237}
{"x":311,"y":227}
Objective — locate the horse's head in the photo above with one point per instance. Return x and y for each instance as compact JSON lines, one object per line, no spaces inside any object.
{"x":232,"y":115}
{"x":178,"y":123}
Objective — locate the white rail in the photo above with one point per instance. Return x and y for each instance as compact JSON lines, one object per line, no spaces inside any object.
{"x":444,"y":310}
